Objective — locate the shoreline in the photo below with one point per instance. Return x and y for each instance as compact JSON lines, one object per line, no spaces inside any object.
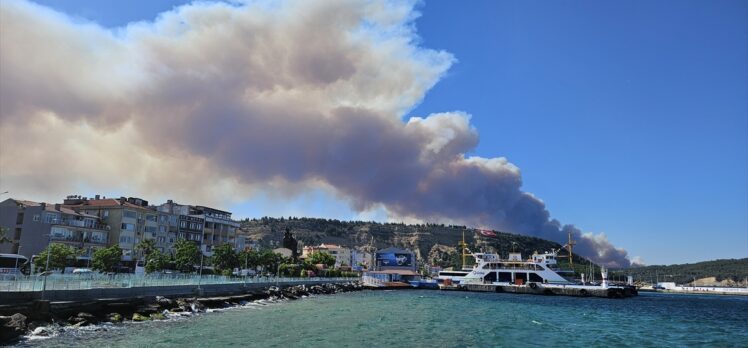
{"x":31,"y":322}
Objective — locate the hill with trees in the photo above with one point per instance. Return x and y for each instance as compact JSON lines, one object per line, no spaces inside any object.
{"x":438,"y":244}
{"x":726,"y":272}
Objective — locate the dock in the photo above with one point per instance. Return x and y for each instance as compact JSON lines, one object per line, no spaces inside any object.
{"x":550,"y":290}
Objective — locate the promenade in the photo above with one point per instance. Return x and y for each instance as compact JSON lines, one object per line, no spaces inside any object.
{"x":86,"y":287}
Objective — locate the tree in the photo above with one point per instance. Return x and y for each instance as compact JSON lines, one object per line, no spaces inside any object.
{"x":3,"y":238}
{"x":270,"y":260}
{"x":106,"y":259}
{"x":146,"y":246}
{"x":249,"y":259}
{"x":157,"y":261}
{"x":224,"y":258}
{"x":319,"y":257}
{"x":60,"y":256}
{"x":186,"y":255}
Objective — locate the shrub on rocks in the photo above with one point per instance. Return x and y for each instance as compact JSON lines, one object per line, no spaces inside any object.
{"x":114,"y":317}
{"x":139,"y":317}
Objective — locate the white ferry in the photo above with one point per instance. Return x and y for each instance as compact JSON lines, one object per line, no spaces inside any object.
{"x":536,"y":275}
{"x":491,"y":269}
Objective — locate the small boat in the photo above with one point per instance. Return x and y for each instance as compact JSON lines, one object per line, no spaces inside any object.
{"x":424,"y":284}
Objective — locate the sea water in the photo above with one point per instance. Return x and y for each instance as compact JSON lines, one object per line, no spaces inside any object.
{"x":423,"y":318}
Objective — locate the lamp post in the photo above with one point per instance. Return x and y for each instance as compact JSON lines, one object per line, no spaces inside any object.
{"x":200,"y":277}
{"x":18,"y":252}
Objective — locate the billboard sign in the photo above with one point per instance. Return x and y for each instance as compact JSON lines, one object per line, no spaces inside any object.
{"x":395,"y":260}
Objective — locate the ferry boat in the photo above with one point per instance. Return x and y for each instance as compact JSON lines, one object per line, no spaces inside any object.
{"x":540,"y":268}
{"x":539,"y":274}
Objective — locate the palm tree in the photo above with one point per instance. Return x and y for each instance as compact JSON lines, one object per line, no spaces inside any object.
{"x":146,"y":246}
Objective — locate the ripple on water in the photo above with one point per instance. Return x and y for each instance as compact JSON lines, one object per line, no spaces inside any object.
{"x":432,"y":318}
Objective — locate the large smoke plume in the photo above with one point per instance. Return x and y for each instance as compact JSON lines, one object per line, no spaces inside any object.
{"x":215,"y":99}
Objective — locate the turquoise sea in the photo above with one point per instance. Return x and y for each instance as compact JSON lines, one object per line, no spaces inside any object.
{"x":423,"y":318}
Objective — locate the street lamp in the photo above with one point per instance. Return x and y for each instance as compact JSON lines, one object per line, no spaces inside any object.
{"x":18,"y":252}
{"x":46,"y":268}
{"x":200,"y":278}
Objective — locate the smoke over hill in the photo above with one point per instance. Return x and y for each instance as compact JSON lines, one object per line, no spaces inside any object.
{"x":217,"y":100}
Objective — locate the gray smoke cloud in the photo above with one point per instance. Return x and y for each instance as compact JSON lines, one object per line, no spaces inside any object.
{"x":215,"y":100}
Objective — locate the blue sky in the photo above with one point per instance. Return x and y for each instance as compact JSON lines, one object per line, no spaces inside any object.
{"x":626,"y":118}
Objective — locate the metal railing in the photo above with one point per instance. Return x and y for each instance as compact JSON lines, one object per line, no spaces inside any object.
{"x":100,"y":281}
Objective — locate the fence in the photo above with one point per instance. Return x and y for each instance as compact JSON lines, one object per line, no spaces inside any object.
{"x":95,"y":281}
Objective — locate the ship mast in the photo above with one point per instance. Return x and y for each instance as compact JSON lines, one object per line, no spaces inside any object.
{"x":464,"y":250}
{"x":570,"y":245}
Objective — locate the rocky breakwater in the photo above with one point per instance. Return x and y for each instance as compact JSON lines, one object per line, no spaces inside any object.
{"x":15,"y":327}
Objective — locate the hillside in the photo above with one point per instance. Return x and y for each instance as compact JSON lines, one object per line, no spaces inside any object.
{"x":436,"y":243}
{"x":726,"y":272}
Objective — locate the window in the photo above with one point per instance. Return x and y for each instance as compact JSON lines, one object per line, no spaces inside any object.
{"x":130,"y":214}
{"x":37,"y":218}
{"x":95,"y":237}
{"x":128,"y":227}
{"x":534,"y":277}
{"x":125,"y":239}
{"x":162,"y":229}
{"x":88,"y":223}
{"x":150,"y":229}
{"x":152,"y":218}
{"x":163,"y":219}
{"x":51,"y":218}
{"x":106,"y":213}
{"x":183,"y":224}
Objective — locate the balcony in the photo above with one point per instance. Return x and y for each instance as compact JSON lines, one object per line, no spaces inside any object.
{"x":80,"y":223}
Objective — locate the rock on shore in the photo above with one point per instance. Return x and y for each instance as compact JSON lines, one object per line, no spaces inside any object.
{"x":17,"y":325}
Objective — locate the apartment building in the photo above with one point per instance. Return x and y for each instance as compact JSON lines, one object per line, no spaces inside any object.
{"x":33,"y":225}
{"x":219,"y":228}
{"x":130,"y":220}
{"x":184,"y":223}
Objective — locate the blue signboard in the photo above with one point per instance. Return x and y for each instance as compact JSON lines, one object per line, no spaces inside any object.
{"x":394,"y":260}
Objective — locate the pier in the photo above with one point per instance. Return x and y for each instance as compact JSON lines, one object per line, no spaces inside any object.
{"x":549,"y":290}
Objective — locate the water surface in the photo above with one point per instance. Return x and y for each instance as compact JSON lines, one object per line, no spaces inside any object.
{"x":449,"y":319}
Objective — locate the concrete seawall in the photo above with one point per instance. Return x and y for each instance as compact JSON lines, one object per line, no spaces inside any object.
{"x":12,"y":297}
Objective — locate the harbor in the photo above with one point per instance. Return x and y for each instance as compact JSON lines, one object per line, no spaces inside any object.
{"x":539,"y":274}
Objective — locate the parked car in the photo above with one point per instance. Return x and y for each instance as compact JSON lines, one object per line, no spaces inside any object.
{"x":82,"y":271}
{"x":244,"y":272}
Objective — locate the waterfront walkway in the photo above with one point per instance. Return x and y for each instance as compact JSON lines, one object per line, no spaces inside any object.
{"x":85,"y":282}
{"x":85,"y":287}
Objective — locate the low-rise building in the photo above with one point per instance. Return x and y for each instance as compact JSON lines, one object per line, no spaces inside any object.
{"x":341,"y":254}
{"x":393,"y":265}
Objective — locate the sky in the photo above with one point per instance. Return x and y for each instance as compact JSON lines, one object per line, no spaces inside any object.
{"x":627,"y":120}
